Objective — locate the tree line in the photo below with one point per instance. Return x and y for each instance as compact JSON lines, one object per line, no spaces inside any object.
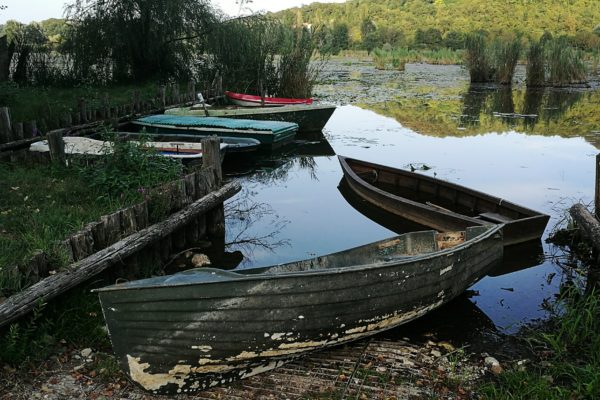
{"x":102,"y":42}
{"x":368,"y":24}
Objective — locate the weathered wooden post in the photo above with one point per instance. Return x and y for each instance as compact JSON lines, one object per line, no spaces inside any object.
{"x":191,"y":90}
{"x":57,"y":146}
{"x":597,"y":194}
{"x":105,"y":107}
{"x":82,"y":111}
{"x":135,"y":102}
{"x":162,"y":94}
{"x":18,"y":131}
{"x":30,"y":129}
{"x":176,"y":99}
{"x":211,"y":157}
{"x":5,"y":125}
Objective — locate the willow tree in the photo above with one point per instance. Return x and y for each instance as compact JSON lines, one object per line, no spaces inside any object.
{"x":136,"y":39}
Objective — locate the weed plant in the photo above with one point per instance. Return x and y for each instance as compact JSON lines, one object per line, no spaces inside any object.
{"x":565,"y":64}
{"x":128,"y":170}
{"x":506,"y":54}
{"x":477,"y":60}
{"x":535,"y":65}
{"x":297,"y":74}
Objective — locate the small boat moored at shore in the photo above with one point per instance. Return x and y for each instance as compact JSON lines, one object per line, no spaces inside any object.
{"x":309,"y":117}
{"x":249,"y":100}
{"x":234,"y":144}
{"x":200,"y":328}
{"x":439,"y":204}
{"x":92,"y":147}
{"x":271,"y":134}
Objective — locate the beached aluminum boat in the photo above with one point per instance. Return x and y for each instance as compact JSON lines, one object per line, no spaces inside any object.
{"x":271,"y":134}
{"x":310,"y":118}
{"x":439,"y":204}
{"x":249,"y":100}
{"x":204,"y":327}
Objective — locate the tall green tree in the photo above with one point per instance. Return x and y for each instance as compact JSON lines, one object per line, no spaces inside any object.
{"x":136,"y":39}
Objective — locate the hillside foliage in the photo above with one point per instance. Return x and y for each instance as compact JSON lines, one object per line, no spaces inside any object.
{"x":443,"y":22}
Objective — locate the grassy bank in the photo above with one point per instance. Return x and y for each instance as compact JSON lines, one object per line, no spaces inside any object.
{"x":41,"y":205}
{"x":566,"y":364}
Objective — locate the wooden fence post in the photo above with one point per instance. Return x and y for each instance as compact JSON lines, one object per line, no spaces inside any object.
{"x":57,"y":146}
{"x":191,"y":90}
{"x":5,"y":125}
{"x":211,"y":157}
{"x":18,"y":131}
{"x":82,"y":111}
{"x":597,"y":194}
{"x":30,"y":129}
{"x":162,"y":94}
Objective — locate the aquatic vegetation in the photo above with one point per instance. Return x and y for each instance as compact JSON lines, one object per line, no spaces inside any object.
{"x":399,"y":57}
{"x":296,"y":73}
{"x":477,"y":59}
{"x":535,"y":65}
{"x":565,"y":64}
{"x":506,"y":53}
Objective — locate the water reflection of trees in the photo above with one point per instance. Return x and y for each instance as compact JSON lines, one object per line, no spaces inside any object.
{"x":276,"y":171}
{"x":241,"y":217}
{"x":539,"y":104}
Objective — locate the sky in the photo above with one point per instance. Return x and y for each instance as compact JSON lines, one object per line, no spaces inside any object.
{"x":37,"y":10}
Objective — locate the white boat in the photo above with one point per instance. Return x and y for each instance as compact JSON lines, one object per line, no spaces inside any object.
{"x":88,"y":146}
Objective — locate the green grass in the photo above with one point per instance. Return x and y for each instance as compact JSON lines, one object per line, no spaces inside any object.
{"x":40,"y":206}
{"x":569,"y":356}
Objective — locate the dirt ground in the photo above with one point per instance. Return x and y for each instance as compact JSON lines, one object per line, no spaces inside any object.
{"x":369,"y":369}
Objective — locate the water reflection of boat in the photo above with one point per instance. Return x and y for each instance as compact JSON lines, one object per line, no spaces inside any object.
{"x":393,"y":222}
{"x":181,"y":333}
{"x":459,"y":321}
{"x":439,"y":204}
{"x":519,"y":257}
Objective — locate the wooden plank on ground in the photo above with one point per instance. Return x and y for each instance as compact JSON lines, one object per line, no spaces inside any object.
{"x":79,"y":272}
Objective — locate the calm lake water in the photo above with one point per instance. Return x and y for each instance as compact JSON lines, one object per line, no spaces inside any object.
{"x":536,"y":149}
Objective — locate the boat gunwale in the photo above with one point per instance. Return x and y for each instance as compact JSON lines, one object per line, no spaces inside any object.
{"x":531,"y":214}
{"x":493,"y":229}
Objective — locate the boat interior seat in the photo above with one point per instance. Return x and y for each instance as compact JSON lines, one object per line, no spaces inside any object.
{"x":494,"y":217}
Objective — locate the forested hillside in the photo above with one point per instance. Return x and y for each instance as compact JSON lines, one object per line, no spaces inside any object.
{"x":400,"y":21}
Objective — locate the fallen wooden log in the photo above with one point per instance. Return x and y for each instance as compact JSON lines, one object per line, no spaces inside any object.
{"x":587,"y":223}
{"x":78,"y":272}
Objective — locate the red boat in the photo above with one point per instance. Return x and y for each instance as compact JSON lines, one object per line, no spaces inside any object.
{"x":248,"y":100}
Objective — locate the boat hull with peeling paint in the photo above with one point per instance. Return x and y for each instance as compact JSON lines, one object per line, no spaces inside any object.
{"x":205,"y":327}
